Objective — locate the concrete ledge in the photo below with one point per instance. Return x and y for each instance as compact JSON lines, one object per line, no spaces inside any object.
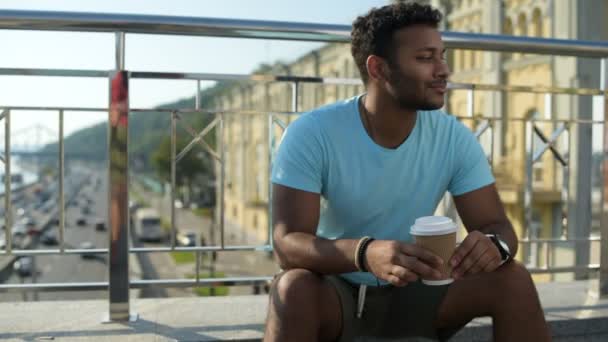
{"x":574,"y":313}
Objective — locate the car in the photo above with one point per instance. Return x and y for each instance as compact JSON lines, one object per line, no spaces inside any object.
{"x":179,"y":204}
{"x":49,"y":239}
{"x":81,"y":221}
{"x":17,"y":242}
{"x":87,"y":245}
{"x":186,"y":240}
{"x":20,"y":211}
{"x":24,"y":266}
{"x":100,"y":225}
{"x":19,"y":229}
{"x":30,"y":225}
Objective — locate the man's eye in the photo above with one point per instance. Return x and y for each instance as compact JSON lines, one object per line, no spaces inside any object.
{"x":425,"y":58}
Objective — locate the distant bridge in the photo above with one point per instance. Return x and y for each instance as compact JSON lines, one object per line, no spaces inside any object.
{"x":28,"y":141}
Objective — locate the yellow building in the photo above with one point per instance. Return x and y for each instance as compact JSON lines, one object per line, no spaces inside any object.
{"x":247,"y":168}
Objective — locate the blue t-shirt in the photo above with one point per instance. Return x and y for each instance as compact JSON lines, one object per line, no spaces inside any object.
{"x":367,"y":189}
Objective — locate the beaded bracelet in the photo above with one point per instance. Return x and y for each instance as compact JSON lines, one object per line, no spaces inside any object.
{"x":361,"y":254}
{"x":357,"y":251}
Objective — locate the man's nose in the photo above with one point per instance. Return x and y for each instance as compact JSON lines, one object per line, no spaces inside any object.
{"x":442,"y":70}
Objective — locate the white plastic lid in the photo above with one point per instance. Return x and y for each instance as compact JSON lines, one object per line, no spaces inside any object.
{"x":433,"y":225}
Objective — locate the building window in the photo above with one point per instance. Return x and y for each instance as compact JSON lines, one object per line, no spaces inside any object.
{"x":457,"y":60}
{"x":521,"y":30}
{"x":467,"y":59}
{"x":508,"y":30}
{"x":537,"y":24}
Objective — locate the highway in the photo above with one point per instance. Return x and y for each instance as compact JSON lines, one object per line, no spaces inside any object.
{"x":71,"y":268}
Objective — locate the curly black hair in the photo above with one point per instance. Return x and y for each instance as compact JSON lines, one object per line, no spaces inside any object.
{"x":372,"y":33}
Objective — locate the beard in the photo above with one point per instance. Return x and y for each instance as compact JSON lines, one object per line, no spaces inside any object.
{"x":403,"y":91}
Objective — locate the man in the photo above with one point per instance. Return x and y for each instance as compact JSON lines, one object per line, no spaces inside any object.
{"x":370,"y":166}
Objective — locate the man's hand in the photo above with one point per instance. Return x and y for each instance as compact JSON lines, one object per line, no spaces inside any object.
{"x":400,"y":263}
{"x":477,"y":253}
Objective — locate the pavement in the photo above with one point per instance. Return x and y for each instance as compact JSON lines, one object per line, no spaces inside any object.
{"x":572,"y":309}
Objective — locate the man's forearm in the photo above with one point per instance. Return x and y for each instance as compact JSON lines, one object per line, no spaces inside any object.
{"x":302,"y":250}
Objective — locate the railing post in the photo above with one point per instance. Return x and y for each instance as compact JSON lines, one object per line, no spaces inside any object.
{"x":530,"y":229}
{"x":603,"y":283}
{"x":118,"y":134}
{"x":8,"y":207}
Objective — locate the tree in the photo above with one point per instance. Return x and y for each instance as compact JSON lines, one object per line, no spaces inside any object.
{"x":191,"y":166}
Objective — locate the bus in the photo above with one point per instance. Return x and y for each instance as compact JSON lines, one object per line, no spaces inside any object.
{"x":147,"y":225}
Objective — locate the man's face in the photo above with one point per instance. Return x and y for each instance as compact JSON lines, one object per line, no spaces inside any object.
{"x":417,"y":70}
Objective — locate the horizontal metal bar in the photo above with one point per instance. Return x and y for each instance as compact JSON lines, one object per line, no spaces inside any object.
{"x":157,"y":110}
{"x":554,"y":121}
{"x":263,"y":78}
{"x":137,"y":284}
{"x":565,"y":269}
{"x":524,"y":89}
{"x":157,"y":24}
{"x":90,"y":286}
{"x":254,"y":112}
{"x":262,"y":29}
{"x":53,"y":72}
{"x":200,"y":249}
{"x":231,"y":281}
{"x":543,"y":46}
{"x":594,"y":238}
{"x":207,"y":282}
{"x":73,"y":109}
{"x":24,"y":252}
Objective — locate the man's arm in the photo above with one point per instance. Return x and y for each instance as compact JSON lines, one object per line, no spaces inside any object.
{"x":482,"y":213}
{"x":295,"y":219}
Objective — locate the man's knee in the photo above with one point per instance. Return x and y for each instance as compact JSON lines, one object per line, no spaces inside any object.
{"x":515,"y":280}
{"x":296,"y":285}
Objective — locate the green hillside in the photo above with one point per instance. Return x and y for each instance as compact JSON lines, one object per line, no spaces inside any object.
{"x":146,"y":130}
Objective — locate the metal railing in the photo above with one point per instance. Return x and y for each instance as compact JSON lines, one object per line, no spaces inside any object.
{"x":118,"y":120}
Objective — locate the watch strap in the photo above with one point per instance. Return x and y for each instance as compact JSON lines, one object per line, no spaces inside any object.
{"x":504,"y":254}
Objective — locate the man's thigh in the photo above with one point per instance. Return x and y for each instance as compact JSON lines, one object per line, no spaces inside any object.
{"x":475,"y":296}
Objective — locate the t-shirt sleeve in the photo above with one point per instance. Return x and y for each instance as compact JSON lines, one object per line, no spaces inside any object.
{"x":471,"y":168}
{"x":299,"y":160}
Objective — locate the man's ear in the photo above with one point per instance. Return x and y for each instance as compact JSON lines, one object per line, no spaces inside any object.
{"x":376,"y":69}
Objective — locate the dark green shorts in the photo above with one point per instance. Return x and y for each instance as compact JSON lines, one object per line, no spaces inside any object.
{"x":391,"y":312}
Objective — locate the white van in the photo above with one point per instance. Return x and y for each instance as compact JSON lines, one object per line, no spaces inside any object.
{"x":147,"y":225}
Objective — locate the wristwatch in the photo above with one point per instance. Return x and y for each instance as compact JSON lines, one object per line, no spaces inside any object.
{"x":502,"y":246}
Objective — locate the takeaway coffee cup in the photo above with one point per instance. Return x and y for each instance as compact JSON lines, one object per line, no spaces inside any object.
{"x":437,"y":234}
